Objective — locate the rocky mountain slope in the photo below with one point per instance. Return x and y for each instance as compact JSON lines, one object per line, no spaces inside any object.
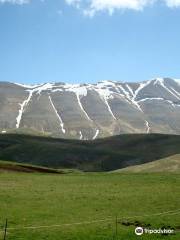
{"x":90,"y":111}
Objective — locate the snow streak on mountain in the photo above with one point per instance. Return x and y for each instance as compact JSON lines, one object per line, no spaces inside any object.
{"x":90,"y":111}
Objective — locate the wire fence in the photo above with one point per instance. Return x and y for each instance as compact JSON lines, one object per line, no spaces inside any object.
{"x":109,"y":219}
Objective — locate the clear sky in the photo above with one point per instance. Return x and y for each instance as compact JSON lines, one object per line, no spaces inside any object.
{"x":89,"y":40}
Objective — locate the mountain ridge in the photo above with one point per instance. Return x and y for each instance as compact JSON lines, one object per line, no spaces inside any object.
{"x":90,"y":111}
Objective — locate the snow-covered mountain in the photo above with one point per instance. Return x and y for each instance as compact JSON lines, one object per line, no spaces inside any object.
{"x":90,"y":111}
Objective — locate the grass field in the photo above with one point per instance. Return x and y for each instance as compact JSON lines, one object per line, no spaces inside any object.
{"x":36,"y":199}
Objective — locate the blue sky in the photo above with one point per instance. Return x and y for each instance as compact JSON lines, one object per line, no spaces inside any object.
{"x":89,"y":40}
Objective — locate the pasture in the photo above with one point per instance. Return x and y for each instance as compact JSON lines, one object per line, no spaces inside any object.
{"x":88,"y":206}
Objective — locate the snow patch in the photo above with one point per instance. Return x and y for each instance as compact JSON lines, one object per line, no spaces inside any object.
{"x":177,"y":81}
{"x":60,"y":119}
{"x":96,"y":134}
{"x":141,"y":86}
{"x":81,"y":136}
{"x":76,"y":88}
{"x":160,"y":99}
{"x":150,"y":99}
{"x":130,"y":89}
{"x":148,"y":127}
{"x":126,"y":93}
{"x":32,"y":89}
{"x":132,"y":97}
{"x":160,"y":81}
{"x":105,"y":94}
{"x":106,"y":83}
{"x":28,"y":86}
{"x":22,"y":108}
{"x":175,"y":91}
{"x":44,"y":87}
{"x":80,"y":91}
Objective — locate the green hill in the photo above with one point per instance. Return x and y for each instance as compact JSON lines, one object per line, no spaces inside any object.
{"x":99,"y":155}
{"x":169,"y":164}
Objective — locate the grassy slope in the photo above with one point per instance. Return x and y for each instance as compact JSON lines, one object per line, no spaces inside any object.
{"x":169,"y":164}
{"x":100,"y":155}
{"x":42,"y":199}
{"x":6,"y":166}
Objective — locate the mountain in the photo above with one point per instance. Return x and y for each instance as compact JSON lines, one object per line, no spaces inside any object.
{"x":99,"y":155}
{"x":90,"y":111}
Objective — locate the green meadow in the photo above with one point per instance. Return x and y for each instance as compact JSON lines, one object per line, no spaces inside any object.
{"x":88,"y":206}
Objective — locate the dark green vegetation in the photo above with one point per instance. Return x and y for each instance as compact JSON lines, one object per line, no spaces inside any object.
{"x":99,"y":155}
{"x":50,"y":199}
{"x":84,"y":206}
{"x":6,"y":166}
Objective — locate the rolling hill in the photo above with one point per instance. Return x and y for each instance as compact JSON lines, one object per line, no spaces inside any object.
{"x":169,"y":164}
{"x":6,"y":166}
{"x":99,"y":155}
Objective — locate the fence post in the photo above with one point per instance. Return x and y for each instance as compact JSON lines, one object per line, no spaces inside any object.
{"x":116,"y":227}
{"x":5,"y":229}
